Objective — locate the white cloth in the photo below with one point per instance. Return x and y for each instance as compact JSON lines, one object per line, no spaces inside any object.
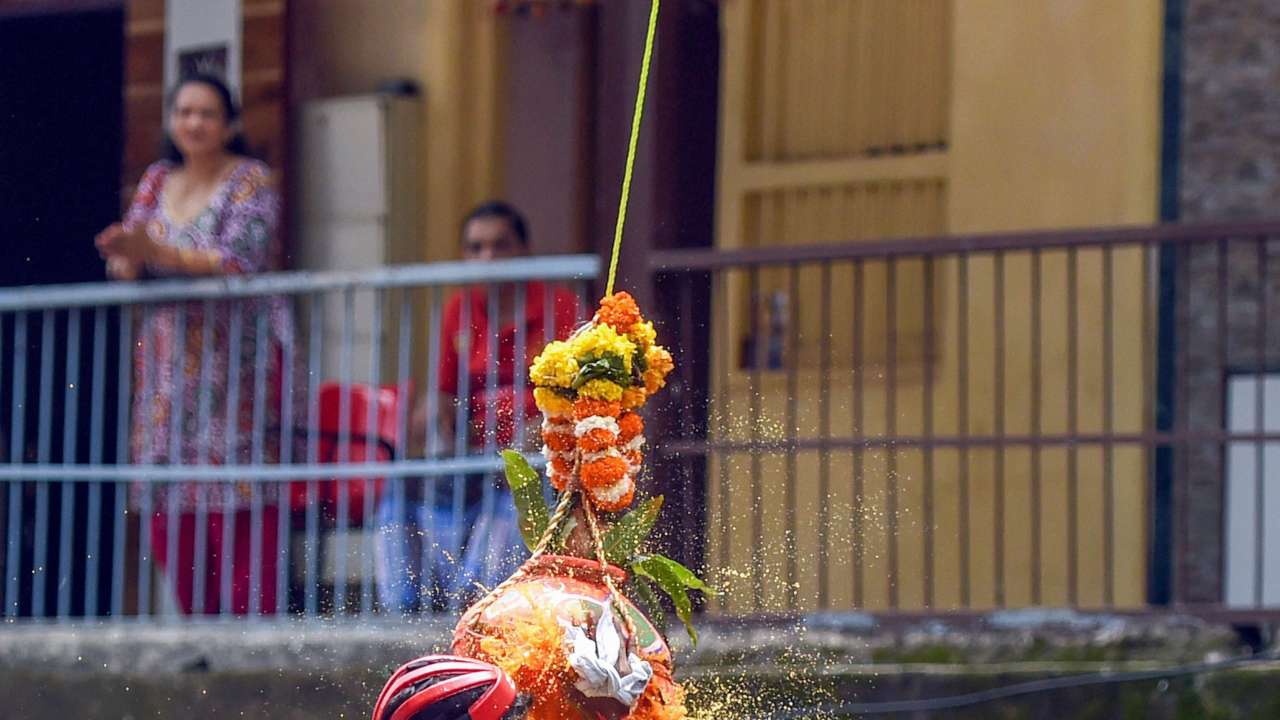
{"x":596,"y":662}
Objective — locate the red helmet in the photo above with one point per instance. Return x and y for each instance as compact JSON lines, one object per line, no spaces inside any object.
{"x":446,"y":687}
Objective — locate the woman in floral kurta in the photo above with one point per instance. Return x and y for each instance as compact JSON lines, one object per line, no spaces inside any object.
{"x":198,"y":367}
{"x":238,"y":223}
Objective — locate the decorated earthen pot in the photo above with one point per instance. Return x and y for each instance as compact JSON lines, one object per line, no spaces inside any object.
{"x":522,"y":631}
{"x":573,"y":588}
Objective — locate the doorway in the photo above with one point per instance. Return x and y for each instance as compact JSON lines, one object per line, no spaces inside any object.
{"x":61,"y":99}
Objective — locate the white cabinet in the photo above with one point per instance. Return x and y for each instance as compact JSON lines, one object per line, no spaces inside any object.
{"x":357,"y":208}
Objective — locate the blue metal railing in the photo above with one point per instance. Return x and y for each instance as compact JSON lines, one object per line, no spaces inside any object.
{"x":102,"y":520}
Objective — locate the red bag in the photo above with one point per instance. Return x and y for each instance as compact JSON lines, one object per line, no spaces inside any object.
{"x":360,"y":444}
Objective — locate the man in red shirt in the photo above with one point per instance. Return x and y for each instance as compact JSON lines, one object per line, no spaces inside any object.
{"x":494,"y":231}
{"x":466,"y":528}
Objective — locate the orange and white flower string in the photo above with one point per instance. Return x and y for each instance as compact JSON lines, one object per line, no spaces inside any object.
{"x":589,"y":388}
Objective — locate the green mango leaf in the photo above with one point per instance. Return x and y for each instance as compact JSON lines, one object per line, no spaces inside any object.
{"x":687,"y":578}
{"x":526,"y":491}
{"x":649,"y":602}
{"x":675,"y":580}
{"x":625,"y":537}
{"x":609,"y":367}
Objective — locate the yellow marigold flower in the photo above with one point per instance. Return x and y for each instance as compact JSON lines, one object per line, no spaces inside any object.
{"x":601,"y":390}
{"x":551,"y":402}
{"x":602,"y":340}
{"x":556,"y":366}
{"x":643,"y":334}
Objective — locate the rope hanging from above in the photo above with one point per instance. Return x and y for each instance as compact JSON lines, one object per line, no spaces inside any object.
{"x":631,"y":146}
{"x":565,"y":502}
{"x":575,"y":659}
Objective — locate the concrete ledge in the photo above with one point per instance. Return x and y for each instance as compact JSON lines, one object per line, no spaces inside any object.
{"x":741,"y":669}
{"x":751,"y":694}
{"x":220,"y":646}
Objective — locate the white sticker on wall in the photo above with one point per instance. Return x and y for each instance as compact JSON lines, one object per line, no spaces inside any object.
{"x":202,"y":36}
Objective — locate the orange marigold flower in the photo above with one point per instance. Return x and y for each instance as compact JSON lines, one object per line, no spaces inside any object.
{"x":597,"y":440}
{"x":619,"y":311}
{"x":660,"y":363}
{"x":603,"y":472}
{"x":562,"y":464}
{"x":614,"y":498}
{"x":584,"y":408}
{"x":629,"y":426}
{"x":558,"y":480}
{"x":654,"y":381}
{"x":659,"y":359}
{"x":559,"y":441}
{"x":634,"y":458}
{"x":632,"y":398}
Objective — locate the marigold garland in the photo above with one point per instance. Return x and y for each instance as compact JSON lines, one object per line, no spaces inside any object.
{"x":600,"y":376}
{"x":615,"y":497}
{"x":600,"y":341}
{"x":559,"y":442}
{"x":660,"y":363}
{"x":594,"y":441}
{"x":643,"y":334}
{"x":555,"y":367}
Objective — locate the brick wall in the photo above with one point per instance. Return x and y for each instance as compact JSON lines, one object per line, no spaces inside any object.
{"x":1229,"y":170}
{"x":1231,"y":109}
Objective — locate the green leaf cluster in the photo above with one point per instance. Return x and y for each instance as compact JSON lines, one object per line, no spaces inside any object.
{"x":606,"y":367}
{"x":622,"y":544}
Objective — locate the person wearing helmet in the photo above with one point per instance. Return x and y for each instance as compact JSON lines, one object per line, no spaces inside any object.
{"x":447,"y":687}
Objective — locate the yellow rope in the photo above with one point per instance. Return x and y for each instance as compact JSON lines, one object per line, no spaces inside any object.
{"x":631,"y":147}
{"x":615,"y":595}
{"x":566,"y":499}
{"x":557,"y":519}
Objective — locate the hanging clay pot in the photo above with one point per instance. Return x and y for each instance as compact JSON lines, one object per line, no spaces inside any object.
{"x":521,"y":629}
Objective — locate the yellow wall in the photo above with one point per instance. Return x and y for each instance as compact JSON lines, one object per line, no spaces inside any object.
{"x":350,"y":46}
{"x":453,"y":51}
{"x":1055,"y":114}
{"x":1055,"y":124}
{"x":1050,"y":120}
